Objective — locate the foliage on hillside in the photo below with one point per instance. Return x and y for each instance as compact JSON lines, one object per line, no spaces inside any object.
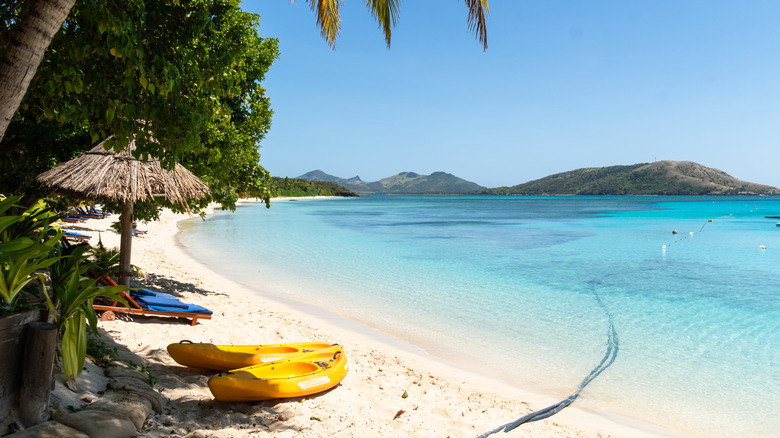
{"x":402,"y":183}
{"x":291,"y":187}
{"x":660,"y":178}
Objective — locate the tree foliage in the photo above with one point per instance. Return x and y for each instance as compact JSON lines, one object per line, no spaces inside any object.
{"x":290,"y":187}
{"x":182,"y":78}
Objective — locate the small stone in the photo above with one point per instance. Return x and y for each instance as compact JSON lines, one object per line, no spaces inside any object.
{"x":99,"y":424}
{"x":127,"y":372}
{"x":135,"y":407}
{"x":49,"y":429}
{"x":137,"y":387}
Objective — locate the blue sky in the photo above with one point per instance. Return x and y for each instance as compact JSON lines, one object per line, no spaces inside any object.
{"x":563,"y":85}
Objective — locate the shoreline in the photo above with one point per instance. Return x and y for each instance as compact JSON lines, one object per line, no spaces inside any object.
{"x":443,"y":397}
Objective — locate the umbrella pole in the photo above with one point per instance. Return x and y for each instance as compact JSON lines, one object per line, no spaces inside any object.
{"x":125,"y":243}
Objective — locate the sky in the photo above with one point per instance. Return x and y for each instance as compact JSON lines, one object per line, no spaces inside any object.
{"x":564,"y":84}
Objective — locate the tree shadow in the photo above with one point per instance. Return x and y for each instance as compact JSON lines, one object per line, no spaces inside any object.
{"x":212,"y":416}
{"x":169,"y":285}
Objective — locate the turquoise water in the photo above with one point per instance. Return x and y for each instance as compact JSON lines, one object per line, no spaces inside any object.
{"x":508,"y":285}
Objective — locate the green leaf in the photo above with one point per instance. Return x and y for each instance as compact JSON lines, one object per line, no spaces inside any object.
{"x":74,"y":344}
{"x":8,"y":202}
{"x":89,"y":311}
{"x":15,"y":245}
{"x":5,"y":221}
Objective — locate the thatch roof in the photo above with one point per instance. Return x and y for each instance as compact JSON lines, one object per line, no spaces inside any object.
{"x":105,"y":175}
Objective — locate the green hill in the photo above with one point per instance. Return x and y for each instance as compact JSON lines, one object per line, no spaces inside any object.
{"x":292,"y":187}
{"x":659,"y":178}
{"x":402,"y":183}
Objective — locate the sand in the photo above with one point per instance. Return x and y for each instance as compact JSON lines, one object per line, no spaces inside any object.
{"x":442,"y":399}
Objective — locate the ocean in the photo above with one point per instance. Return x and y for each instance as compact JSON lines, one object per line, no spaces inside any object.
{"x":527,"y":288}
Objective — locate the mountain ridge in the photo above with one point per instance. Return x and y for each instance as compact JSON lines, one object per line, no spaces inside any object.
{"x":657,"y":178}
{"x":401,"y":183}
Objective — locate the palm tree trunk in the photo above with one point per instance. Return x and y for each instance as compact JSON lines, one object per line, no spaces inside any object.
{"x":23,"y":54}
{"x":125,"y":243}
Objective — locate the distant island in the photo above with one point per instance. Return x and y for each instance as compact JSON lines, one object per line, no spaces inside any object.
{"x":659,"y":178}
{"x":437,"y":183}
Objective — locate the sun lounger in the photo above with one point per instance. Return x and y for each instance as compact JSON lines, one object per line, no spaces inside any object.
{"x":162,"y":302}
{"x":148,"y":302}
{"x":78,"y":237}
{"x":80,"y":212}
{"x":73,"y":219}
{"x":93,"y":210}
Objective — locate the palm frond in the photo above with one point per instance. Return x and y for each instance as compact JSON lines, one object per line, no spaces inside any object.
{"x":386,"y":14}
{"x":478,"y":10}
{"x":328,"y":18}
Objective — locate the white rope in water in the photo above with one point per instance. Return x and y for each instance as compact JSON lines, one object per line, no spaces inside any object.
{"x":606,"y":361}
{"x":691,"y":234}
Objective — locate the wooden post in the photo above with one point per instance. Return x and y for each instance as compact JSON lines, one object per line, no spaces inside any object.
{"x":13,"y":334}
{"x":125,"y":243}
{"x":39,"y":351}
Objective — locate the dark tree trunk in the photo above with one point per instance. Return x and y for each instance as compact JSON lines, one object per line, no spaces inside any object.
{"x":23,"y":54}
{"x":125,"y":243}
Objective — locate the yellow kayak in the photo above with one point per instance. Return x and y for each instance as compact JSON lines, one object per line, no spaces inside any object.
{"x":298,"y":376}
{"x":231,"y":357}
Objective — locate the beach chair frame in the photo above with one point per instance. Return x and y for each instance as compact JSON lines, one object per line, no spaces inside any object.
{"x":136,"y":308}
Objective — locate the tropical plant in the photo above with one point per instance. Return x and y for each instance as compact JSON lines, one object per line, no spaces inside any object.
{"x":28,"y":244}
{"x":71,"y":301}
{"x":26,"y":241}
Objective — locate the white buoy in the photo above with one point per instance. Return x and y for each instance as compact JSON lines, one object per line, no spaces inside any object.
{"x":691,"y":233}
{"x":762,"y":246}
{"x":663,"y":247}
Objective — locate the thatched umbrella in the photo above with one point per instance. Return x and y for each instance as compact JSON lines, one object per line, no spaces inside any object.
{"x":105,"y":175}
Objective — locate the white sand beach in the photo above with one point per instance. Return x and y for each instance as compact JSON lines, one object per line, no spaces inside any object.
{"x":443,"y":400}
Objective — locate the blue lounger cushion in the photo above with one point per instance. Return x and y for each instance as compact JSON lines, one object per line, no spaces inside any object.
{"x":162,"y":302}
{"x":151,"y":293}
{"x":75,"y":234}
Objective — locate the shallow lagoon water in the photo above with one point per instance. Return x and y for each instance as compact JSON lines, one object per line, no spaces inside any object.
{"x":508,"y":285}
